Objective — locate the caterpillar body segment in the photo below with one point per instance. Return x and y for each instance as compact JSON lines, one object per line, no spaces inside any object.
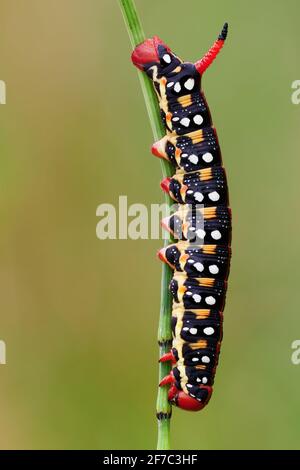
{"x":201,"y":224}
{"x":209,"y":225}
{"x":198,"y":187}
{"x":191,"y":152}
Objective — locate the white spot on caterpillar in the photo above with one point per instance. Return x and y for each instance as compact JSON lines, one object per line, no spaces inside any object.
{"x":170,"y":84}
{"x":189,"y":293}
{"x":186,"y":328}
{"x":201,"y":233}
{"x":216,"y":235}
{"x":207,"y":157}
{"x":185,"y":121}
{"x":198,"y":196}
{"x":167,"y":58}
{"x":199,"y":267}
{"x":214,"y":196}
{"x":204,"y":380}
{"x":198,"y":119}
{"x":190,"y":191}
{"x":198,"y":380}
{"x":213,"y":269}
{"x":195,"y":359}
{"x":189,"y":84}
{"x":210,"y":300}
{"x":205,"y":360}
{"x":193,"y":159}
{"x":208,"y":331}
{"x":197,"y":298}
{"x":193,"y":331}
{"x":191,"y":261}
{"x":189,"y":385}
{"x":177,"y":87}
{"x":175,"y":119}
{"x":184,"y":155}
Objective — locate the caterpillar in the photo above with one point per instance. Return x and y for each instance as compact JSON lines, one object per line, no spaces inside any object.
{"x":201,"y":256}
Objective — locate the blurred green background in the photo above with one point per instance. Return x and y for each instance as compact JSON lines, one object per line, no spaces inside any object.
{"x":79,"y":316}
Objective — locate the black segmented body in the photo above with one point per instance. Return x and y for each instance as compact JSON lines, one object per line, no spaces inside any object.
{"x":201,"y":257}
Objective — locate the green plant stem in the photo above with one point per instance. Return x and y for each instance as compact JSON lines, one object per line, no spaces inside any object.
{"x":163,"y":407}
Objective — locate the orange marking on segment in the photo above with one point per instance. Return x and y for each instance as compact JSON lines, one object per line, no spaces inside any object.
{"x":182,"y":290}
{"x":185,"y":101}
{"x":206,"y":174}
{"x":183,"y":191}
{"x":207,"y":212}
{"x":202,"y":344}
{"x":177,"y":152}
{"x":206,"y":282}
{"x":183,"y":258}
{"x":185,"y":226}
{"x":201,"y":314}
{"x":210,"y":212}
{"x":209,"y":249}
{"x":196,"y":136}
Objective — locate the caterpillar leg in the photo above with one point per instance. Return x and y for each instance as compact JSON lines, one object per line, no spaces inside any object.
{"x":168,"y":357}
{"x":180,"y":399}
{"x":168,"y":379}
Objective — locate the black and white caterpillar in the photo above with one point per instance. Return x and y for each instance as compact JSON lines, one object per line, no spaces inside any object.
{"x":201,"y":257}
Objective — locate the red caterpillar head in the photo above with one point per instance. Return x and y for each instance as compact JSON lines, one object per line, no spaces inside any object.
{"x":153,"y":52}
{"x":186,"y":402}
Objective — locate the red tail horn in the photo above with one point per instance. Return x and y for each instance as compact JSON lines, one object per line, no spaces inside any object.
{"x":206,"y":61}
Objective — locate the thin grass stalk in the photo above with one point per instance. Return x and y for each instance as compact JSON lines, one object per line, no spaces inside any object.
{"x":163,"y":407}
